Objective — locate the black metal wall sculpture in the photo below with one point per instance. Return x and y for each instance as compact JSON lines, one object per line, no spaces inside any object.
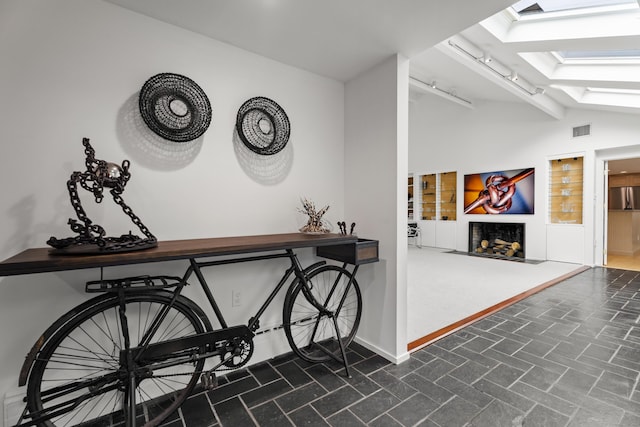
{"x":91,"y":237}
{"x":175,"y":107}
{"x":263,"y":126}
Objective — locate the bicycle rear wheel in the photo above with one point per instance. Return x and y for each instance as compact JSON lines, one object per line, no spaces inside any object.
{"x":79,"y":374}
{"x":311,"y":332}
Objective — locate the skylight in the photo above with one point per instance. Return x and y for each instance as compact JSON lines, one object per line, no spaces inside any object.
{"x":594,"y":54}
{"x":573,"y":53}
{"x":524,"y":7}
{"x":614,"y":90}
{"x":603,"y":55}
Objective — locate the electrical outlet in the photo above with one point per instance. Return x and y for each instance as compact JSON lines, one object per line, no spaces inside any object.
{"x":236,"y":300}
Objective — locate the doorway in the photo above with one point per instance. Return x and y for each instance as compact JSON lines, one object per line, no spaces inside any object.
{"x":623,"y":214}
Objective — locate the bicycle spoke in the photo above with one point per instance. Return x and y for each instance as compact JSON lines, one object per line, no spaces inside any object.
{"x":167,"y":327}
{"x":108,"y":335}
{"x":72,"y":365}
{"x":58,"y":392}
{"x":90,"y":409}
{"x":84,"y":347}
{"x":314,"y":333}
{"x":98,"y":357}
{"x":174,"y":330}
{"x":78,"y":377}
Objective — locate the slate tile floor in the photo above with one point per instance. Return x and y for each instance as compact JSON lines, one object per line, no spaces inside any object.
{"x":567,"y":356}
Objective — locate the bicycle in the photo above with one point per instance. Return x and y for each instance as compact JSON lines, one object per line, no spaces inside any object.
{"x":134,"y":353}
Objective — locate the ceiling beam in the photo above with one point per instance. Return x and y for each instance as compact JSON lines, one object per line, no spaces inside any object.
{"x":432,"y":88}
{"x":469,"y":55}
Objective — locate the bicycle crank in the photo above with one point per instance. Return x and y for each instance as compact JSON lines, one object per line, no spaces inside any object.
{"x":237,"y":352}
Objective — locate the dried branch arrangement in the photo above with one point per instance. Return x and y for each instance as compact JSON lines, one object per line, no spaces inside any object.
{"x":314,"y":224}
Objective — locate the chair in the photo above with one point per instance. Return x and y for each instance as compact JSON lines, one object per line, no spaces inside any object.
{"x":413,"y":232}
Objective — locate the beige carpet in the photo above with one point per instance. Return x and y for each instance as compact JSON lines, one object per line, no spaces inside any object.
{"x":444,"y":287}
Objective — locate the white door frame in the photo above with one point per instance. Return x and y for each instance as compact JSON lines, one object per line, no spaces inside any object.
{"x":605,"y":213}
{"x":602,"y":157}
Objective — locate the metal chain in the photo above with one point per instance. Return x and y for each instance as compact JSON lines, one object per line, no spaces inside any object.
{"x":220,"y":367}
{"x":94,"y":180}
{"x":88,"y":227}
{"x":129,"y":212}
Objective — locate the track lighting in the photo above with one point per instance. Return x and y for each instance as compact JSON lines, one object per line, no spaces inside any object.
{"x":494,"y":66}
{"x":450,"y":94}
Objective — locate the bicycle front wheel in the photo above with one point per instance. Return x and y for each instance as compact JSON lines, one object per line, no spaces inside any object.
{"x":79,"y":378}
{"x":313,"y":332}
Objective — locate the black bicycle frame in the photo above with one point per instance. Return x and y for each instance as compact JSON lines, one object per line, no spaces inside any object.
{"x":253,"y":323}
{"x":151,"y":351}
{"x":164,"y":353}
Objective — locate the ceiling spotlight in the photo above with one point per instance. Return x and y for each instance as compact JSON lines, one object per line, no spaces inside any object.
{"x":495,"y":67}
{"x":451,"y":94}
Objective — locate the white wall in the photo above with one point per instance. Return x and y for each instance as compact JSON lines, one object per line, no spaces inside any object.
{"x":72,"y":69}
{"x":375,"y":181}
{"x":502,"y":136}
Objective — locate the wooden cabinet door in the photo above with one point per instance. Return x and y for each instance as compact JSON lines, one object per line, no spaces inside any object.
{"x":618,"y":180}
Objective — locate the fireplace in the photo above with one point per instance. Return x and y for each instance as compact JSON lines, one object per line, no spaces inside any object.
{"x":504,"y":240}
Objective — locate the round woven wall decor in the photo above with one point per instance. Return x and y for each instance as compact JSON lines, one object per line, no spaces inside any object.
{"x":175,"y":107}
{"x":263,"y":126}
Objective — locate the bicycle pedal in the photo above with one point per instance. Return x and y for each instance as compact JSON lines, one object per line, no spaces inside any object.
{"x":209,"y":380}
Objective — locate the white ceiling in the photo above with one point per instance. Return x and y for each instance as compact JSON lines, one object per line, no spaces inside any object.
{"x":334,"y":38}
{"x":524,"y":46}
{"x":341,"y":38}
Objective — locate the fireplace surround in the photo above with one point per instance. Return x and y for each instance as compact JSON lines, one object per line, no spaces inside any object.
{"x":504,"y":240}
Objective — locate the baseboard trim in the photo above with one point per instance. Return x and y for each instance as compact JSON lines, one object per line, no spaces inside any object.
{"x":13,"y":406}
{"x":390,"y":357}
{"x":447,"y":330}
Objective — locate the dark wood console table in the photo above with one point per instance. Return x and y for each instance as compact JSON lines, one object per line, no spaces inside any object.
{"x":341,"y":301}
{"x":41,"y":260}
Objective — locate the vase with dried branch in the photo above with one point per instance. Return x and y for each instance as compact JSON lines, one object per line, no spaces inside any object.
{"x":315,"y":224}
